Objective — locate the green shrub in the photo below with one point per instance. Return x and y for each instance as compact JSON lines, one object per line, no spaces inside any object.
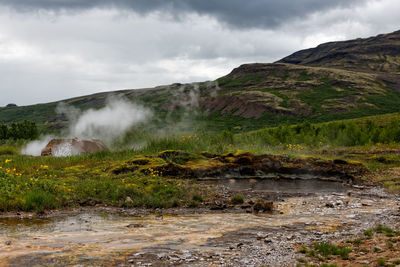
{"x":39,"y":201}
{"x":339,"y":133}
{"x":368,"y":233}
{"x":381,"y":262}
{"x":389,"y":232}
{"x":197,"y":197}
{"x":237,"y":199}
{"x":22,"y":130}
{"x":327,"y":249}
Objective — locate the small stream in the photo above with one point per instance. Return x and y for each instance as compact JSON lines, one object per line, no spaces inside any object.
{"x":96,"y":238}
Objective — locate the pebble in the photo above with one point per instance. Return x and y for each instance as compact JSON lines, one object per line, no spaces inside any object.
{"x":161,"y":256}
{"x":260,"y":236}
{"x":159,"y":217}
{"x":367,"y":203}
{"x":8,"y":243}
{"x":329,"y":205}
{"x":135,"y":225}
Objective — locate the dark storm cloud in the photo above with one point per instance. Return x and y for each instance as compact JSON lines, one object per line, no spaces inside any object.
{"x":236,"y":13}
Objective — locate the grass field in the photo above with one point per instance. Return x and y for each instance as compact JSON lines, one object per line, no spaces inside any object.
{"x":38,"y":183}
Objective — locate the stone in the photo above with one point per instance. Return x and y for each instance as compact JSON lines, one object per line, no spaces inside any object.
{"x":329,"y":205}
{"x":262,"y":205}
{"x":367,"y":203}
{"x":8,"y":243}
{"x":174,"y":258}
{"x":340,"y":162}
{"x":135,"y":225}
{"x":161,"y":256}
{"x":260,"y":236}
{"x":70,"y":147}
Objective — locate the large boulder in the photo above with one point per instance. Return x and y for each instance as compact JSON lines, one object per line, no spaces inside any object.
{"x":70,"y":147}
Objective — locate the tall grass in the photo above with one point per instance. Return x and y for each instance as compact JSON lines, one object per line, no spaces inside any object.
{"x":340,"y":133}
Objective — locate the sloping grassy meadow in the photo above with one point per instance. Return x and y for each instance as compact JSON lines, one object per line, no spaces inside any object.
{"x":38,"y":183}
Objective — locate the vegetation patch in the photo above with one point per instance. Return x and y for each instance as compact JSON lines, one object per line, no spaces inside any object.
{"x":379,"y":246}
{"x":48,"y":187}
{"x":237,"y":199}
{"x":22,"y":130}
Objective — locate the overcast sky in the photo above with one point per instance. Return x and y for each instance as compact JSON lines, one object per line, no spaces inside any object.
{"x":56,"y":49}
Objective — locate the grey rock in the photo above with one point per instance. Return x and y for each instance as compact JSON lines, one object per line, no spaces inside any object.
{"x":135,"y":225}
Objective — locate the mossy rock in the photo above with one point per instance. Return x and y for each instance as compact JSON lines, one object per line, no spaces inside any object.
{"x":137,"y":164}
{"x":208,"y":154}
{"x":176,"y":156}
{"x":124,"y":168}
{"x":174,"y":170}
{"x":143,"y":161}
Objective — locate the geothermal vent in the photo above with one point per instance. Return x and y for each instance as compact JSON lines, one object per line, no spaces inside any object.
{"x":71,"y":147}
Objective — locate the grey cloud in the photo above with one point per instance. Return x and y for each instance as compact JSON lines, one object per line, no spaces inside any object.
{"x":235,"y":13}
{"x":52,"y":50}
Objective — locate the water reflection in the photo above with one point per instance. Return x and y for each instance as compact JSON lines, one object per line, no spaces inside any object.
{"x":283,"y":185}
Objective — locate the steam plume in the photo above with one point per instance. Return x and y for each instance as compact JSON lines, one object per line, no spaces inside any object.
{"x":107,"y":124}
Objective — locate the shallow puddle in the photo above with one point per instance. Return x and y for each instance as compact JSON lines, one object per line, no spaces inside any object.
{"x":301,"y":186}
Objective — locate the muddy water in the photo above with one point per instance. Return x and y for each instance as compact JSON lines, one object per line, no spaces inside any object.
{"x":300,"y":186}
{"x":229,"y":239}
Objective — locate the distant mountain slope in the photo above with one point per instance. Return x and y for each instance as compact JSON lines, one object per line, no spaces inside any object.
{"x":274,"y":93}
{"x":337,"y":80}
{"x":374,"y":54}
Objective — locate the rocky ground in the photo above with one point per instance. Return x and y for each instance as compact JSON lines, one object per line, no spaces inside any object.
{"x":301,"y":221}
{"x":227,"y":235}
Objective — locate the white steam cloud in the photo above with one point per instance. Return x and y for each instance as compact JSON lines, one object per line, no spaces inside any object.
{"x":110,"y":123}
{"x":106,"y":124}
{"x":34,"y":148}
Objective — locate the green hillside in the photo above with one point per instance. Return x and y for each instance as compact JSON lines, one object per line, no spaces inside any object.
{"x":337,"y":80}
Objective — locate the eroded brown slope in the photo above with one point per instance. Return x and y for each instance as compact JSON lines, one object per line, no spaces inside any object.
{"x":375,"y":54}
